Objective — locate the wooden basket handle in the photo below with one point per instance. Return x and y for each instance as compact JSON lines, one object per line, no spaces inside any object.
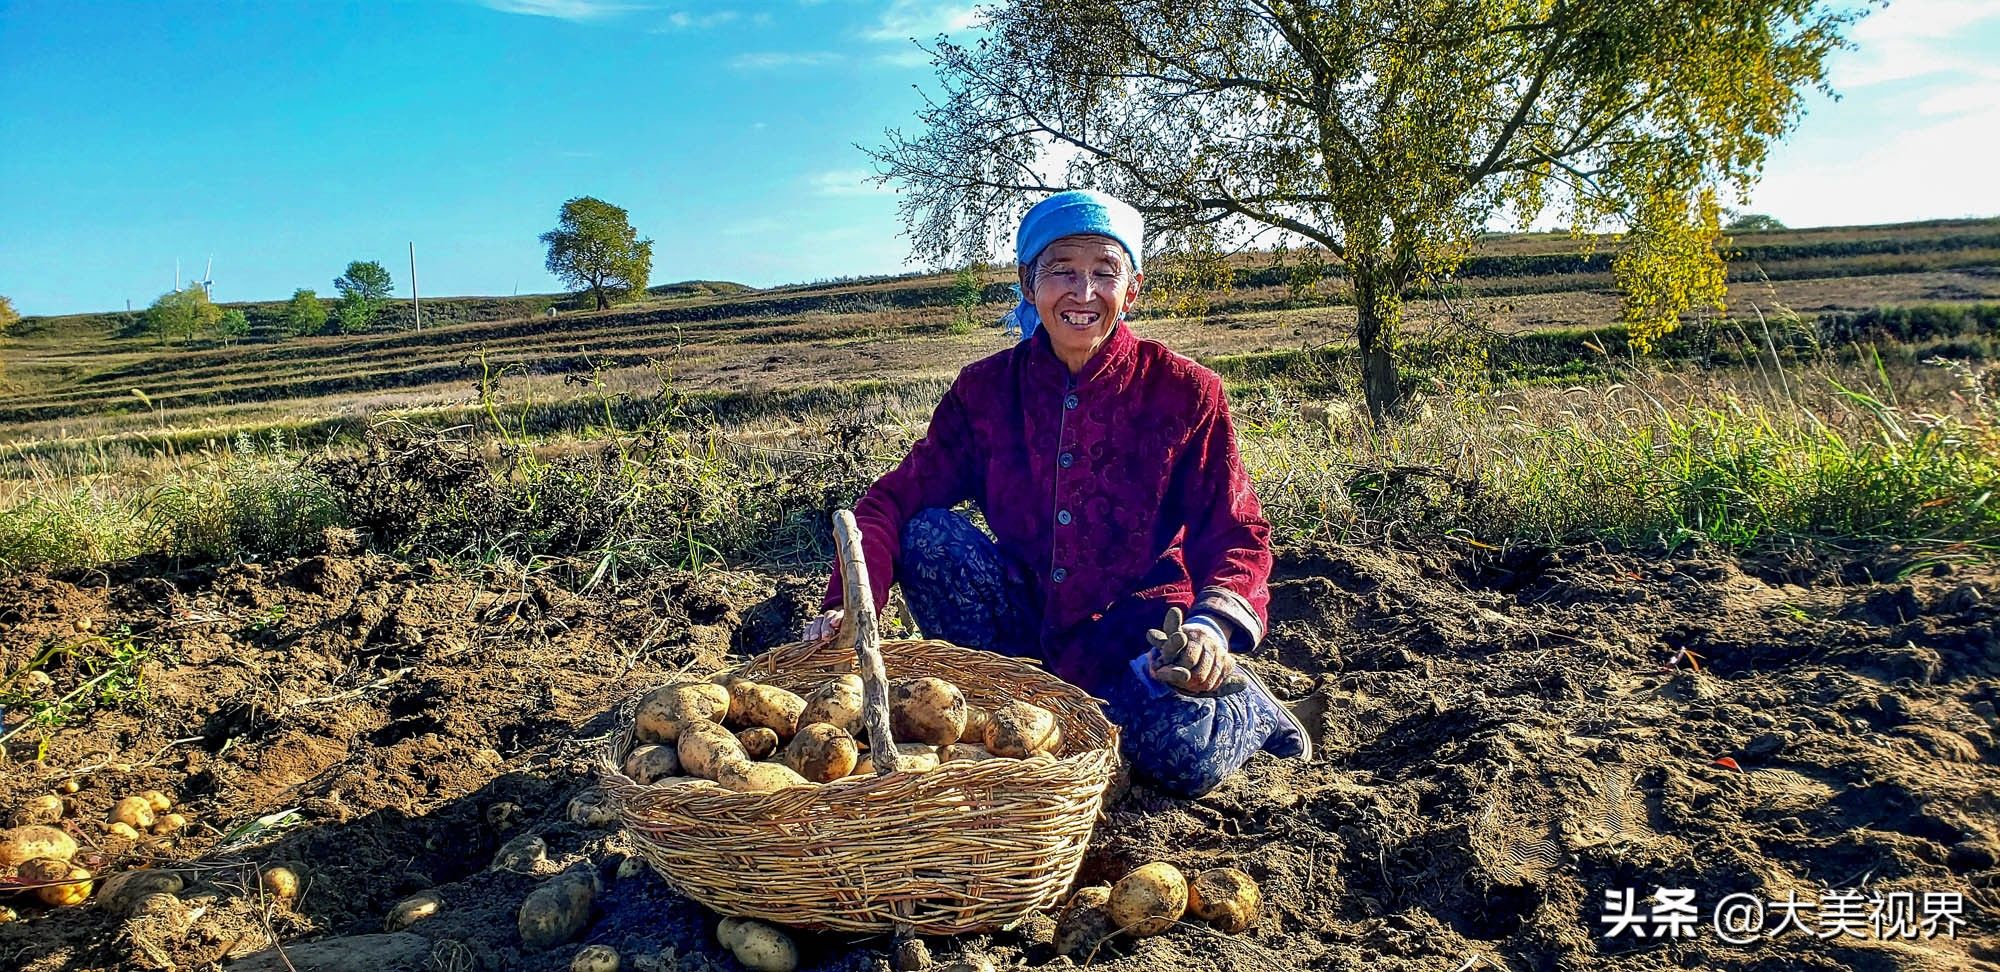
{"x":857,"y":630}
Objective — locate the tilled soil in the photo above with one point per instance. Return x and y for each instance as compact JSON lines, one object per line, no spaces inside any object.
{"x":1505,"y":738}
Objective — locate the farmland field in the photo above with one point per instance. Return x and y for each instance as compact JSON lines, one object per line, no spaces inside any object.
{"x":1724,"y":618}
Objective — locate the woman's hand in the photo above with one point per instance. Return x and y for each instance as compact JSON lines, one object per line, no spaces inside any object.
{"x":1190,"y":656}
{"x":1206,"y":658}
{"x":827,"y":625}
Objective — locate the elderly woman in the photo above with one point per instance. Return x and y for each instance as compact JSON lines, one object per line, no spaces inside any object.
{"x":1107,"y":470}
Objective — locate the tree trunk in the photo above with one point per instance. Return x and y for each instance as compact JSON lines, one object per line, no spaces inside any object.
{"x":1379,"y":302}
{"x":598,"y":292}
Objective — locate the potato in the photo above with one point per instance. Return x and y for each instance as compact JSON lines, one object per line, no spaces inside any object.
{"x":822,"y":752}
{"x":751,"y":704}
{"x":839,"y":702}
{"x":135,"y":812}
{"x":122,"y":831}
{"x":46,"y":808}
{"x":1225,"y":898}
{"x":169,"y":823}
{"x":976,"y":721}
{"x":23,"y":844}
{"x":910,"y":758}
{"x":557,"y":911}
{"x":1149,"y":900}
{"x":762,"y":948}
{"x":1084,"y":923}
{"x":1019,"y":729}
{"x":665,"y":711}
{"x":74,"y":888}
{"x":706,"y":747}
{"x":927,"y":710}
{"x":595,"y":958}
{"x":758,"y":742}
{"x":649,"y":763}
{"x":280,"y":882}
{"x":592,"y":808}
{"x":958,"y":751}
{"x":161,"y":802}
{"x":744,"y":776}
{"x":413,"y":909}
{"x":120,"y":892}
{"x":522,"y":854}
{"x":729,"y":932}
{"x":8,"y":914}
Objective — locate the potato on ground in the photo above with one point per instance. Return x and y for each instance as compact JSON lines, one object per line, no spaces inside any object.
{"x":1084,"y":923}
{"x":1225,"y":898}
{"x":706,"y":747}
{"x":281,"y":882}
{"x":646,"y":764}
{"x":595,"y":958}
{"x":557,"y":911}
{"x":927,"y":710}
{"x":759,"y":947}
{"x":26,"y":843}
{"x":160,"y":802}
{"x":1020,"y":729}
{"x":758,"y":742}
{"x":747,"y":777}
{"x":822,"y":752}
{"x":135,"y":812}
{"x":1149,"y":900}
{"x":120,"y":892}
{"x":47,"y":808}
{"x":838,"y":701}
{"x":665,"y":711}
{"x":72,"y":885}
{"x":754,"y":704}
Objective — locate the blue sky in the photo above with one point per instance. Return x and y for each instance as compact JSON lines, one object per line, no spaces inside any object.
{"x":285,"y":138}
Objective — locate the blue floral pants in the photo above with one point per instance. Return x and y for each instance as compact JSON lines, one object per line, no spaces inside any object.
{"x":958,"y":589}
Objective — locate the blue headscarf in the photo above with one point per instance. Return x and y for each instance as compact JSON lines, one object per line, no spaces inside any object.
{"x":1078,"y":212}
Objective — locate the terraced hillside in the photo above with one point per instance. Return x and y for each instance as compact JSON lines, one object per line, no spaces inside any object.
{"x":74,"y":382}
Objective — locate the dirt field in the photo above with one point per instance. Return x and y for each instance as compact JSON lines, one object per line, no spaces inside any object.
{"x":1504,"y":738}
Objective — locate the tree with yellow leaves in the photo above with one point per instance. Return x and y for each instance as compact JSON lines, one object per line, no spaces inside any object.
{"x":1389,"y":132}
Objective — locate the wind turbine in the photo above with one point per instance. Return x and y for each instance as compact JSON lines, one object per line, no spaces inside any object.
{"x":208,"y":279}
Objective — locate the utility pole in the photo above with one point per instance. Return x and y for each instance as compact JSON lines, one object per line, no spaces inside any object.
{"x":416,"y":303}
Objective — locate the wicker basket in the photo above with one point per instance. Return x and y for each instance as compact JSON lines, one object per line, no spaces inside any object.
{"x":968,"y":846}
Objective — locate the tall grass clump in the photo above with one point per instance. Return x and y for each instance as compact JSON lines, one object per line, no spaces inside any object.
{"x":248,"y":498}
{"x":262,"y":499}
{"x":1668,"y":460}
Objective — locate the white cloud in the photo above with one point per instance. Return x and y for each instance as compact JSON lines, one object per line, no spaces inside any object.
{"x":1940,"y":167}
{"x":772,"y":60}
{"x":907,"y":57}
{"x":1912,"y":40}
{"x":682,"y":20}
{"x":922,"y":19}
{"x":847,"y":182}
{"x":575,"y":10}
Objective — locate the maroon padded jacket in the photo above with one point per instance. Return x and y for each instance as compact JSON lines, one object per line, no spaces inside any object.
{"x":1113,"y":494}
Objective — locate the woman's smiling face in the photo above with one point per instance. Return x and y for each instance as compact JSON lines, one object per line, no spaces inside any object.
{"x":1081,"y":285}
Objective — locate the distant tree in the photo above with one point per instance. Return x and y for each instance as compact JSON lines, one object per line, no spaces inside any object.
{"x":8,"y":315}
{"x":182,"y":314}
{"x":363,"y":289}
{"x":595,"y":248}
{"x":232,"y":326}
{"x":1754,"y":222}
{"x":304,"y":314}
{"x":966,"y":292}
{"x":1388,"y":132}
